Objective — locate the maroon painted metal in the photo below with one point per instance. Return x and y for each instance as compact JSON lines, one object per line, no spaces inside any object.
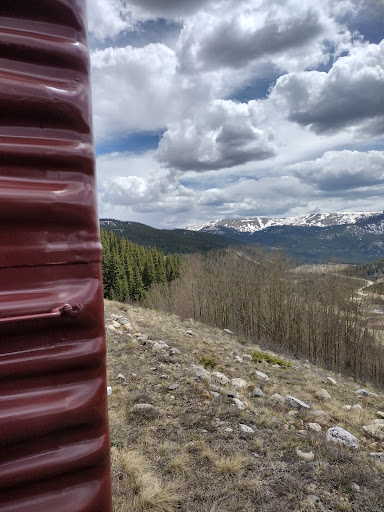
{"x":54,"y":443}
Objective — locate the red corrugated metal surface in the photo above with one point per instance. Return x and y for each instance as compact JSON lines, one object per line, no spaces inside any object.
{"x":54,"y":446}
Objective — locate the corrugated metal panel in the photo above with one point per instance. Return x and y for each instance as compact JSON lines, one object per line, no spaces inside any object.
{"x":54,"y":444}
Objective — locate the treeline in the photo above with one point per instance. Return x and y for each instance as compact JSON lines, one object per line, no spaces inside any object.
{"x":262,"y":297}
{"x":129,"y":269}
{"x":372,"y":270}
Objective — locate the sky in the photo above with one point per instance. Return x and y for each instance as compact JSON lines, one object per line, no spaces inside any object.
{"x":213,"y":109}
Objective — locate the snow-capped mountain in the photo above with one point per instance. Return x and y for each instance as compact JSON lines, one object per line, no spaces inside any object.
{"x":255,"y":224}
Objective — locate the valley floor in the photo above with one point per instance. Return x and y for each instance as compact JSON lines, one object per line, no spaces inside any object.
{"x":185,"y":438}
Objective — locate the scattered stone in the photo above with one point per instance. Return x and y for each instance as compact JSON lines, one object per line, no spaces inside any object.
{"x":331,"y":381}
{"x":276,"y":366}
{"x":355,"y":487}
{"x":323,"y":394}
{"x":172,"y":387}
{"x":246,"y":429}
{"x":356,"y":407}
{"x":314,"y":501}
{"x":228,"y":429}
{"x":111,"y":328}
{"x":164,"y":376}
{"x":276,"y":398}
{"x":219,"y":378}
{"x":262,"y":376}
{"x":126,"y":327}
{"x":293,"y":413}
{"x":205,"y":394}
{"x":380,"y":421}
{"x":190,"y":333}
{"x":201,"y":373}
{"x":377,"y":455}
{"x":318,"y":413}
{"x":302,"y":432}
{"x":158,"y":346}
{"x":227,"y":331}
{"x":307,"y":456}
{"x":257,"y":392}
{"x":248,"y":357}
{"x":121,"y":376}
{"x":109,"y":390}
{"x":341,"y":436}
{"x":238,"y":383}
{"x":364,"y":392}
{"x":239,"y":404}
{"x":215,"y":394}
{"x":347,"y":407}
{"x":315,"y":427}
{"x":115,"y":324}
{"x":380,"y":414}
{"x":239,"y":359}
{"x":144,"y":409}
{"x":376,"y":431}
{"x":291,"y":401}
{"x":174,"y":352}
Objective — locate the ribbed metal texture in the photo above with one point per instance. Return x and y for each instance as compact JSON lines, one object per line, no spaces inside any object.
{"x":54,"y":444}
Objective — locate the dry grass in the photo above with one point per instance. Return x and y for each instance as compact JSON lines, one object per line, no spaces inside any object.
{"x":189,"y":454}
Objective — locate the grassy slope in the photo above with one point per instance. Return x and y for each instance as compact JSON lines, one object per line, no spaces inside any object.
{"x":190,"y":454}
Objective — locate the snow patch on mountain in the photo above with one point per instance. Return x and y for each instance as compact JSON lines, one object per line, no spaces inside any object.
{"x":254,"y":224}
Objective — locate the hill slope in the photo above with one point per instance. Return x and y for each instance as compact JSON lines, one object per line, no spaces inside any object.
{"x":179,"y":241}
{"x":200,"y":444}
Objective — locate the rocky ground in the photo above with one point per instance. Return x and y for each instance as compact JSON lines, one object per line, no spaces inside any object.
{"x":199,"y":425}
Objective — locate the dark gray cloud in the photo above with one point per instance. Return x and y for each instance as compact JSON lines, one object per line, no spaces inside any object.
{"x":169,"y":8}
{"x":228,"y":44}
{"x":338,"y":171}
{"x":349,"y":94}
{"x":224,"y":136}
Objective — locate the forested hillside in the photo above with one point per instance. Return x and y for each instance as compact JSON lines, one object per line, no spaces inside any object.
{"x":130,"y":269}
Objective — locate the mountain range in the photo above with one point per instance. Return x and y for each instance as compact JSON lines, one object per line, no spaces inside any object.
{"x":353,"y":237}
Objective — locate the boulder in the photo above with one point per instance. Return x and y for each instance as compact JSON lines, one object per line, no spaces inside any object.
{"x":238,"y":383}
{"x":276,"y":398}
{"x":343,"y":437}
{"x":294,"y":402}
{"x":246,"y":429}
{"x":375,"y":430}
{"x":323,"y":394}
{"x":261,"y":376}
{"x":158,"y":346}
{"x":220,"y":379}
{"x":200,"y":372}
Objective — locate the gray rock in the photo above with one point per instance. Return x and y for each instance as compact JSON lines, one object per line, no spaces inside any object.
{"x":318,"y":413}
{"x":239,"y":359}
{"x":331,"y":381}
{"x":219,"y":378}
{"x":200,"y":372}
{"x":343,"y":437}
{"x":377,"y":455}
{"x":257,"y":392}
{"x":356,"y":407}
{"x":227,"y":331}
{"x":323,"y":394}
{"x":121,"y":376}
{"x":315,"y":427}
{"x":111,"y":328}
{"x":143,"y":407}
{"x":248,"y":357}
{"x":172,"y":387}
{"x":296,"y":403}
{"x":261,"y":376}
{"x":380,"y":414}
{"x":174,"y":352}
{"x":364,"y":392}
{"x":190,"y":332}
{"x":158,"y":346}
{"x":276,"y":398}
{"x":376,"y":431}
{"x":238,"y":383}
{"x":246,"y":429}
{"x":239,"y":404}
